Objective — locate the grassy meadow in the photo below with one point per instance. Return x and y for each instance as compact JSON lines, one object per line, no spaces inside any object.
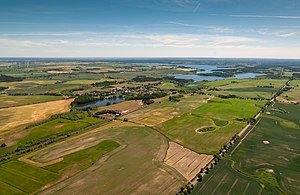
{"x":227,"y":116}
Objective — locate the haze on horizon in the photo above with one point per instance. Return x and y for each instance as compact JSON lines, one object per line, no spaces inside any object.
{"x":150,"y":28}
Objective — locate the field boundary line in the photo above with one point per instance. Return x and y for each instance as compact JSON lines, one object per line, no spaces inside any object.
{"x":246,"y":188}
{"x":245,"y":137}
{"x":14,"y":186}
{"x":224,"y":177}
{"x":233,"y":185}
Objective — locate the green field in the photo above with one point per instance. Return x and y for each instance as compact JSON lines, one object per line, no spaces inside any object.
{"x":41,"y":89}
{"x":225,"y":115}
{"x":10,"y":101}
{"x":293,"y":94}
{"x":222,"y":179}
{"x":167,"y":86}
{"x":272,"y":166}
{"x":23,"y":178}
{"x":250,"y":88}
{"x":45,"y":130}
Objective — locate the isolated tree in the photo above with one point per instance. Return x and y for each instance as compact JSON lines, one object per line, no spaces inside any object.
{"x":199,"y":179}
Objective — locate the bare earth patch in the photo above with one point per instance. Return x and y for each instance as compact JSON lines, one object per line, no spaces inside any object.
{"x":266,"y":142}
{"x":59,"y":126}
{"x":270,"y":170}
{"x":185,"y":161}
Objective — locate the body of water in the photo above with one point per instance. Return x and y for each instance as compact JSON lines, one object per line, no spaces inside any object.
{"x":213,"y":78}
{"x":209,"y":69}
{"x":100,"y":103}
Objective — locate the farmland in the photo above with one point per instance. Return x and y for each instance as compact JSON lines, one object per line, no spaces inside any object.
{"x":265,"y":162}
{"x":143,"y":155}
{"x":227,"y":116}
{"x":165,"y":110}
{"x":161,"y":135}
{"x":47,"y":129}
{"x":250,"y":88}
{"x":19,"y":116}
{"x":32,"y":178}
{"x":12,"y":101}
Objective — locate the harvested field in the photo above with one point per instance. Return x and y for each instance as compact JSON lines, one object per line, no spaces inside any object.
{"x":137,"y":168}
{"x":17,"y":116}
{"x":156,"y":116}
{"x":54,"y":154}
{"x":158,"y":113}
{"x":185,"y":161}
{"x":11,"y":101}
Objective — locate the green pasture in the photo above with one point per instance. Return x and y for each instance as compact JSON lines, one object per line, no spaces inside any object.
{"x":225,"y":115}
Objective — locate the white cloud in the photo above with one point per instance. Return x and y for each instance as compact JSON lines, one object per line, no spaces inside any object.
{"x":31,"y":43}
{"x":122,"y":44}
{"x":285,"y":34}
{"x":258,"y":16}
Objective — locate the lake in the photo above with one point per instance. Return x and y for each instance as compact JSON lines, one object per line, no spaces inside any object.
{"x":100,"y":103}
{"x":213,"y":78}
{"x":209,"y":69}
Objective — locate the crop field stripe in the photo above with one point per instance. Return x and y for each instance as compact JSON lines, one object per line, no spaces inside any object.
{"x":14,"y":187}
{"x":224,"y":177}
{"x":200,"y":163}
{"x":246,"y":188}
{"x":260,"y":191}
{"x":211,"y":176}
{"x":21,"y":174}
{"x":233,"y":185}
{"x":191,"y":163}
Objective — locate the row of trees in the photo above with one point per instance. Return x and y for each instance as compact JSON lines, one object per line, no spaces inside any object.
{"x":35,"y":144}
{"x":175,"y":98}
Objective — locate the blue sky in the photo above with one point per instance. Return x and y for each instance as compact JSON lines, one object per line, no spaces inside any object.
{"x":150,"y":28}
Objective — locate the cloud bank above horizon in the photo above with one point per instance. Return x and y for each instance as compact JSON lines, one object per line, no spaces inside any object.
{"x":152,"y":28}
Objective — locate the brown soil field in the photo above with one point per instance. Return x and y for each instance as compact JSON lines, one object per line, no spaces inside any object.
{"x":185,"y":161}
{"x":153,"y":117}
{"x":22,"y":115}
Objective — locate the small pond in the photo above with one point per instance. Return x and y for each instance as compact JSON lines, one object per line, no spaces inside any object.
{"x":100,"y":103}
